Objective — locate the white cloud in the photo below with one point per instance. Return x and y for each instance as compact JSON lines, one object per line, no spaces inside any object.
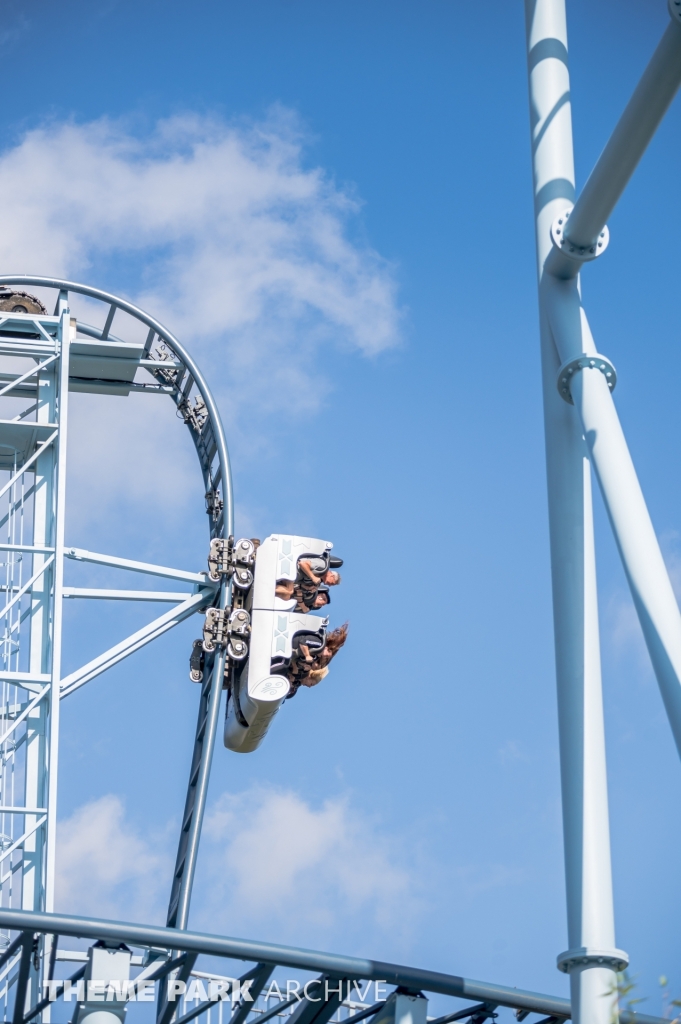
{"x":275,"y":860}
{"x":131,"y":463}
{"x":221,"y":231}
{"x":271,"y":864}
{"x":105,"y":868}
{"x":511,"y":752}
{"x":216,"y":228}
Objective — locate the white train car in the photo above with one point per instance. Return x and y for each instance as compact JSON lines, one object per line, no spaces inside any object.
{"x":258,"y":689}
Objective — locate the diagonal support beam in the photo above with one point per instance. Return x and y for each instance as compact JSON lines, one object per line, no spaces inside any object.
{"x":109,"y":320}
{"x":647,"y":575}
{"x":25,"y":376}
{"x":133,"y":643}
{"x":468,"y":1011}
{"x":261,"y":975}
{"x":29,"y":583}
{"x":39,"y":1007}
{"x":25,"y":713}
{"x":167,"y":1009}
{"x":29,"y":462}
{"x":22,"y":979}
{"x":203,"y":1007}
{"x":22,"y":838}
{"x":11,"y":949}
{"x":369,"y":1012}
{"x":624,"y":149}
{"x":321,"y":1007}
{"x":80,"y":555}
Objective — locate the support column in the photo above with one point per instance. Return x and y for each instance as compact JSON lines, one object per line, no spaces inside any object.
{"x":67,"y":332}
{"x":651,"y":588}
{"x":592,"y":959}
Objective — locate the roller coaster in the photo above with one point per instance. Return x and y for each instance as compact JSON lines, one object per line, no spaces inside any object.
{"x":262,"y":635}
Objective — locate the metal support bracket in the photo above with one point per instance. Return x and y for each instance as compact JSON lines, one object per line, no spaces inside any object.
{"x":580,"y":253}
{"x":238,"y":629}
{"x":585,"y":362}
{"x":222,"y":626}
{"x":235,"y":560}
{"x":220,"y":558}
{"x":617,"y":959}
{"x":197,"y":662}
{"x":215,"y":628}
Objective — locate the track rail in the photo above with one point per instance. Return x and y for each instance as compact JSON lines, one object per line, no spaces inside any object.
{"x":329,"y":965}
{"x":174,"y":372}
{"x":181,"y":378}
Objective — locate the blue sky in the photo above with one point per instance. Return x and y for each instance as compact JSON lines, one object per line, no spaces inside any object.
{"x":366,"y":310}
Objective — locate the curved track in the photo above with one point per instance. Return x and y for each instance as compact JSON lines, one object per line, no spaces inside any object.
{"x":172,"y":371}
{"x":175,"y":374}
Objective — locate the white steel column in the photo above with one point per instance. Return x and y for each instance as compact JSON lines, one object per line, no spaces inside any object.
{"x":647,"y":574}
{"x":67,"y":331}
{"x":592,"y":958}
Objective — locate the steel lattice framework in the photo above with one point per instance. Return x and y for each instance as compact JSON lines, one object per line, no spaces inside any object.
{"x":46,"y":356}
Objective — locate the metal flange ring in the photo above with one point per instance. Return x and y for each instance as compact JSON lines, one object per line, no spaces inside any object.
{"x":585,"y":956}
{"x":572,"y":366}
{"x":581,"y":253}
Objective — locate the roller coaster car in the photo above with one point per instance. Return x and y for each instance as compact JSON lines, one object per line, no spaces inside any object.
{"x":12,"y":301}
{"x":259,"y":683}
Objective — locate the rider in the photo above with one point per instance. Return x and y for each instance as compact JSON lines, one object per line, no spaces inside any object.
{"x":309,"y":665}
{"x":310,"y":590}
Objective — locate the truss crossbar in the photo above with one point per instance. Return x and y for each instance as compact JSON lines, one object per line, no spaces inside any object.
{"x":25,"y":376}
{"x":26,"y":587}
{"x":22,"y":810}
{"x":24,"y":714}
{"x":80,"y":555}
{"x":134,"y":642}
{"x":29,"y":462}
{"x":163,"y":596}
{"x":22,"y":839}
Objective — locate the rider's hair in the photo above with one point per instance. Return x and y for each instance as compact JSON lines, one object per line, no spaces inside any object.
{"x":336,"y":638}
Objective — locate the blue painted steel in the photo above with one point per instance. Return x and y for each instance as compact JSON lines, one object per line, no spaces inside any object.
{"x":25,"y":280}
{"x":209,"y":708}
{"x":333,"y":964}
